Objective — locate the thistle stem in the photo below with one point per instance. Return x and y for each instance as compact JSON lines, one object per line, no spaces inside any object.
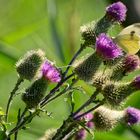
{"x":92,"y":109}
{"x":19,"y":81}
{"x":63,"y":91}
{"x":55,"y":89}
{"x":24,"y":121}
{"x":21,"y":124}
{"x":73,"y":59}
{"x":136,"y":133}
{"x":90,"y":100}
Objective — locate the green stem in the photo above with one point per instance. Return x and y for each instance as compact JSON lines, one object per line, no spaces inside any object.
{"x":136,"y":133}
{"x":90,"y":100}
{"x":54,"y":90}
{"x":63,"y":91}
{"x":18,"y":118}
{"x":73,"y":59}
{"x":67,"y":126}
{"x":90,"y":110}
{"x":25,"y":121}
{"x":19,"y":81}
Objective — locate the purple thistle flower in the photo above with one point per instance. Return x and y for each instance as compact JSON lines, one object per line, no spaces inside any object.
{"x":117,"y":11}
{"x":90,"y":124}
{"x":132,"y":115}
{"x":131,"y":63}
{"x":136,"y":82}
{"x":88,"y":117}
{"x":50,"y":72}
{"x":81,"y":134}
{"x":106,"y":47}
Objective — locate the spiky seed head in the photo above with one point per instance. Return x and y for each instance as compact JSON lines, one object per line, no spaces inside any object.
{"x":35,"y":92}
{"x":116,"y":93}
{"x":86,"y":67}
{"x":29,"y":65}
{"x":106,"y":119}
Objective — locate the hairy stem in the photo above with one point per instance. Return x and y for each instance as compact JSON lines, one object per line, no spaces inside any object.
{"x":19,"y":81}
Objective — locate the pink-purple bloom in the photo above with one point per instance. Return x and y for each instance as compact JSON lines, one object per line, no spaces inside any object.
{"x":50,"y":72}
{"x":106,"y":48}
{"x":90,"y":124}
{"x":117,"y":11}
{"x":89,"y":120}
{"x":131,"y":63}
{"x":81,"y":134}
{"x":136,"y":82}
{"x":132,"y":116}
{"x":88,"y":117}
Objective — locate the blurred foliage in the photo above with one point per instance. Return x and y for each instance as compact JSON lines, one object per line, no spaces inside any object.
{"x":52,"y":25}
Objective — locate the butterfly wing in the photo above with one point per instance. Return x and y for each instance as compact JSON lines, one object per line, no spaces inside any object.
{"x":128,"y":44}
{"x":129,"y":39}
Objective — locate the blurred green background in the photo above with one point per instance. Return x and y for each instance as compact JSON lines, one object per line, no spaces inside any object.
{"x":52,"y":25}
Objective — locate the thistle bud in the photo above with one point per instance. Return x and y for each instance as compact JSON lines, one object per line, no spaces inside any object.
{"x":28,"y":66}
{"x":126,"y":65}
{"x":87,"y":33}
{"x":136,"y":83}
{"x":106,"y":119}
{"x":132,"y":116}
{"x":114,"y":13}
{"x":35,"y":93}
{"x":49,"y":134}
{"x":86,"y":67}
{"x":105,"y":49}
{"x":116,"y":93}
{"x":99,"y":79}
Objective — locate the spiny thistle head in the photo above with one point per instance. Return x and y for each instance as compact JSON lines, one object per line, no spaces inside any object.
{"x":86,"y":67}
{"x":117,"y":11}
{"x":126,"y":65}
{"x":132,"y":116}
{"x":35,"y":92}
{"x":49,"y":134}
{"x":87,"y":33}
{"x":106,"y":119}
{"x":131,"y":63}
{"x":136,"y":83}
{"x":50,"y":72}
{"x":106,"y":48}
{"x":99,"y":79}
{"x":116,"y":93}
{"x":81,"y":134}
{"x":28,"y":66}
